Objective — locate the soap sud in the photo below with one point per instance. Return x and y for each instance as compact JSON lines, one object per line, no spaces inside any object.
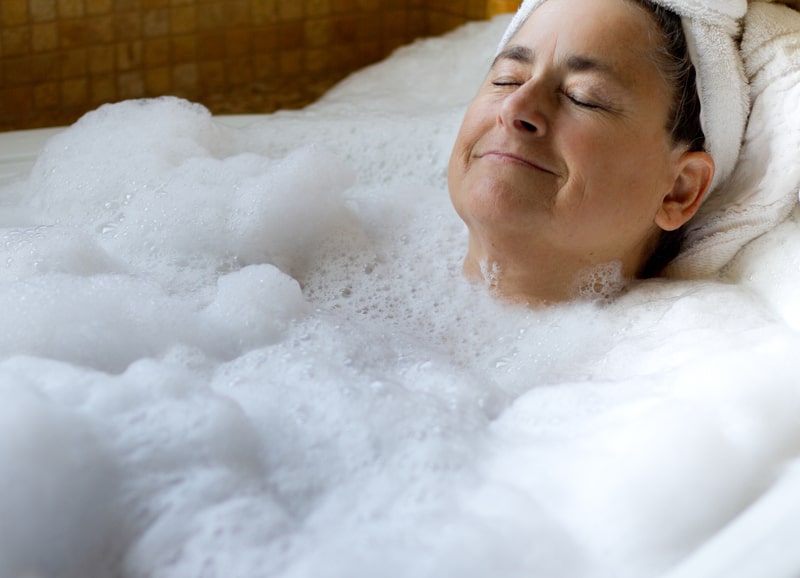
{"x":601,"y":283}
{"x":234,"y":353}
{"x":490,"y":273}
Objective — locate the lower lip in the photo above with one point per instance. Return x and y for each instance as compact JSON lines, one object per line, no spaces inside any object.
{"x":499,"y":157}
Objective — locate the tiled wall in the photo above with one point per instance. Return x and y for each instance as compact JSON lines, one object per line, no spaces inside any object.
{"x":60,"y":58}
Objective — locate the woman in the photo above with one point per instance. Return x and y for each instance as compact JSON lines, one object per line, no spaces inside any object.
{"x":582,"y":156}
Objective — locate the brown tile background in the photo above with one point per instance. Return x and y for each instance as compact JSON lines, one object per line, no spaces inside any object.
{"x":61,"y":58}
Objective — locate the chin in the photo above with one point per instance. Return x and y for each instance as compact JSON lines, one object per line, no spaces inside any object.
{"x":496,"y":200}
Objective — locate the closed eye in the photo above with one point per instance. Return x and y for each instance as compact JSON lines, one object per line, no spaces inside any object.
{"x":582,"y":103}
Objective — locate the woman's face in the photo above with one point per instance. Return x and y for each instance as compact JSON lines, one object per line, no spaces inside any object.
{"x":565,"y":147}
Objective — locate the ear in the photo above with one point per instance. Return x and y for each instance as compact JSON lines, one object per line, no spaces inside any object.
{"x":695,"y":173}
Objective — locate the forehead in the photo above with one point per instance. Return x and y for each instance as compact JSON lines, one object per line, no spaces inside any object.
{"x":617,"y":36}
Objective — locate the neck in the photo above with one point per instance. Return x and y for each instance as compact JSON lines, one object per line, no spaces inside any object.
{"x":538,"y":276}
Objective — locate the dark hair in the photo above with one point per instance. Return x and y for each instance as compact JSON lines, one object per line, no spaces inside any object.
{"x":674,"y":63}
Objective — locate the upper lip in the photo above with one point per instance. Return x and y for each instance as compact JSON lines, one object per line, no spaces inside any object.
{"x":517,"y":157}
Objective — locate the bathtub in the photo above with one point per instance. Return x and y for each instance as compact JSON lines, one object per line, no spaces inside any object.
{"x":242,"y":346}
{"x":19,"y":148}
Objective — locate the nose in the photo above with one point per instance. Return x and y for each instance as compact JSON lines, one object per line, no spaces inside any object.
{"x":522,"y":111}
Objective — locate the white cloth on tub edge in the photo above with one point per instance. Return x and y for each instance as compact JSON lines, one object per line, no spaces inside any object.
{"x":712,"y":29}
{"x":763,"y":189}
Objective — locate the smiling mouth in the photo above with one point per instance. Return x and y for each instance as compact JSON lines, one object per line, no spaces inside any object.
{"x":510,"y":158}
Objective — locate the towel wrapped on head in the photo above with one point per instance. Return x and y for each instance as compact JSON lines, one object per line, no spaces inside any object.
{"x":763,"y":188}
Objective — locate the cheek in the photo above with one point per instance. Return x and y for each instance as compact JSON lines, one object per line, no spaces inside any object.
{"x":473,"y":127}
{"x":617,"y":162}
{"x":616,"y":180}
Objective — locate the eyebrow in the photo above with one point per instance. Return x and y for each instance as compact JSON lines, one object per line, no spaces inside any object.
{"x":578,"y":63}
{"x":575,"y":63}
{"x":517,"y":53}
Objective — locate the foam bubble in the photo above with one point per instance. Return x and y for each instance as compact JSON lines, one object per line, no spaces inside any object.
{"x":602,"y":282}
{"x":59,"y":507}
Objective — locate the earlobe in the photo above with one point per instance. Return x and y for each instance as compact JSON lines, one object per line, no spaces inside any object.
{"x":695,"y":173}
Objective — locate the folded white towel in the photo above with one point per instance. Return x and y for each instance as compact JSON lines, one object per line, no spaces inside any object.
{"x":764,"y":185}
{"x":712,"y":28}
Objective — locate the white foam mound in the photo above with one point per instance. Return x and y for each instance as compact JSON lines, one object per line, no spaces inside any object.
{"x":250,"y":352}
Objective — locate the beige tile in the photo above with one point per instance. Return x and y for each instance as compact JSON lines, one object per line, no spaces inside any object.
{"x":318,"y":61}
{"x":73,"y":63}
{"x":97,"y":7}
{"x":70,"y":8}
{"x":130,"y":85}
{"x":265,"y":66}
{"x":14,"y":12}
{"x":129,"y":55}
{"x":182,"y":20}
{"x":211,"y":46}
{"x":100,"y":29}
{"x":127,"y":26}
{"x":44,"y":37}
{"x":101,"y":59}
{"x":291,"y":63}
{"x":417,"y":24}
{"x":264,"y":12}
{"x":394,"y":28}
{"x":75,"y":92}
{"x":476,"y":9}
{"x":46,"y":96}
{"x":17,"y":71}
{"x":156,"y":52}
{"x":42,"y":10}
{"x":184,"y":79}
{"x":154,"y":4}
{"x":155,"y":22}
{"x":158,"y":81}
{"x":494,"y":7}
{"x":344,"y":6}
{"x":16,"y":41}
{"x":265,"y":40}
{"x":72,"y":33}
{"x":370,"y":5}
{"x":237,"y":43}
{"x":18,"y":99}
{"x":291,"y":35}
{"x":211,"y":75}
{"x":317,"y":8}
{"x":368,"y":52}
{"x":102,"y":89}
{"x":290,"y":10}
{"x":125,"y":5}
{"x":238,"y":14}
{"x":345,"y":30}
{"x":369,"y":28}
{"x":184,"y":49}
{"x":45,"y":67}
{"x":239,"y":71}
{"x":318,"y":33}
{"x":209,"y":16}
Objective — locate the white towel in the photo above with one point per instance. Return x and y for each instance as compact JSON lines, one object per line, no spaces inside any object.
{"x":712,"y":28}
{"x":763,"y":188}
